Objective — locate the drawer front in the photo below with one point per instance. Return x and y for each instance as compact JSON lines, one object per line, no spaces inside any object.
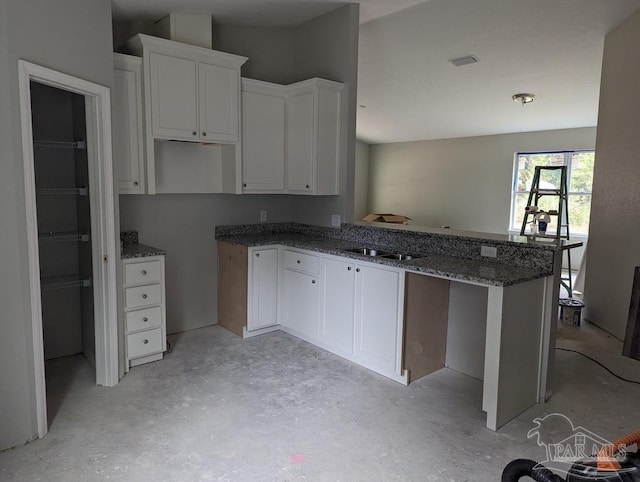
{"x":302,"y":262}
{"x":142,"y":296}
{"x":143,"y":319}
{"x":143,"y":272}
{"x":144,"y":343}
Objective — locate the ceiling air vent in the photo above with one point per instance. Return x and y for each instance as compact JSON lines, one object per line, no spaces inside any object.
{"x":460,"y":61}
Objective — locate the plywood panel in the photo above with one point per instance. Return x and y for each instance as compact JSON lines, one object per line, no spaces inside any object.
{"x":232,"y":287}
{"x":425,"y":330}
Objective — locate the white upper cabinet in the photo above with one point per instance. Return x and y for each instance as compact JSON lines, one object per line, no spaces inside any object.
{"x":300,"y":142}
{"x":174,"y":109}
{"x":263,"y":137}
{"x":126,"y":110}
{"x":194,"y":92}
{"x":314,"y":117}
{"x":291,"y":137}
{"x":190,"y":94}
{"x":219,"y":102}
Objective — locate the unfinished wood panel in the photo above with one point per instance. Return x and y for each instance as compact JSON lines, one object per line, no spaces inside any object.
{"x":425,"y":324}
{"x":631,"y":346}
{"x":232,"y":287}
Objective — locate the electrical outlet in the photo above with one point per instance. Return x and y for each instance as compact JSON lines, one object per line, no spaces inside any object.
{"x":489,"y":251}
{"x":263,"y":216}
{"x":335,"y":220}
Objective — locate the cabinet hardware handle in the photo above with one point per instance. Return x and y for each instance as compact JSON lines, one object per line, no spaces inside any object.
{"x":194,"y":133}
{"x":307,"y":186}
{"x":257,"y":255}
{"x":204,"y":134}
{"x":357,"y":270}
{"x":145,"y":319}
{"x":144,"y":272}
{"x":144,"y":297}
{"x":244,"y":185}
{"x":145,"y":341}
{"x":135,"y":183}
{"x":348,"y":268}
{"x":298,"y":261}
{"x":313,"y":281}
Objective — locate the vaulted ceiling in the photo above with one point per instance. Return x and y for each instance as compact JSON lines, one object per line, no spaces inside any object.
{"x":407,"y":88}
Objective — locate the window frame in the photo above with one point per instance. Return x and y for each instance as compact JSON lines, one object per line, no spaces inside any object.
{"x":568,"y":161}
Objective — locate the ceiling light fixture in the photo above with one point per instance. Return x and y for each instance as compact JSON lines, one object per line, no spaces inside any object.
{"x":523,"y":98}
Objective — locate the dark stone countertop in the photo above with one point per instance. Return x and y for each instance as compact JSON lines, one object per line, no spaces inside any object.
{"x":482,"y":272}
{"x":137,"y":250}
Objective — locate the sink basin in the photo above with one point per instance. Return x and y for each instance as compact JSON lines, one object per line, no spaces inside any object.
{"x":398,"y":256}
{"x":368,"y":251}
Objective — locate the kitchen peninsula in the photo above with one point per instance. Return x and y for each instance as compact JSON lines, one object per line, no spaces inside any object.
{"x":403,"y":301}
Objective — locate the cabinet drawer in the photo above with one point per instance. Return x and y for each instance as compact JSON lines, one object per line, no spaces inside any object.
{"x":142,"y":296}
{"x":144,"y":343}
{"x":301,"y":262}
{"x":143,"y":319}
{"x":143,"y":272}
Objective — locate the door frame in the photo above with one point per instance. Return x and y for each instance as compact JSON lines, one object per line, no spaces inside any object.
{"x":103,"y":236}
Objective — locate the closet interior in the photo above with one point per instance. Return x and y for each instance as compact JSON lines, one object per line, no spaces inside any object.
{"x":64,"y":223}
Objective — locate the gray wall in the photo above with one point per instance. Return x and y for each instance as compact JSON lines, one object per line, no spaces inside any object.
{"x":327,"y":47}
{"x":270,"y":51}
{"x":361,"y":182}
{"x":73,"y":36}
{"x":184,"y":225}
{"x":615,"y":231}
{"x":464,"y":183}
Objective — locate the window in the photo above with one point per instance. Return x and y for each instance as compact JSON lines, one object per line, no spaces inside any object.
{"x":579,"y":178}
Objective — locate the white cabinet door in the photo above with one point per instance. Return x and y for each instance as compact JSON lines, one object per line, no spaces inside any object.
{"x":378,"y":324}
{"x":263,"y":122}
{"x":300,"y":142}
{"x":300,"y":303}
{"x":263,"y":294}
{"x":337,"y":305}
{"x":219,"y":102}
{"x":174,"y":111}
{"x":126,"y":109}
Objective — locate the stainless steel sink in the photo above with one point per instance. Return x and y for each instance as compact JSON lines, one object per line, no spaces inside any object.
{"x":398,"y":256}
{"x":368,"y":251}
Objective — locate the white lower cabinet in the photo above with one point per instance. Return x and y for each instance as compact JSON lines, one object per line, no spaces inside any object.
{"x":144,"y":309}
{"x":351,"y":308}
{"x":262,"y":288}
{"x":300,"y":295}
{"x":337,"y":310}
{"x":378,"y":318}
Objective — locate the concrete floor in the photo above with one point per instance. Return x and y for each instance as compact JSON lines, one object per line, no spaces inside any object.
{"x":276,"y":408}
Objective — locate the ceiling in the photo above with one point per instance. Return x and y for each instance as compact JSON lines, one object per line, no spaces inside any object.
{"x":266,"y":13}
{"x":551,"y":48}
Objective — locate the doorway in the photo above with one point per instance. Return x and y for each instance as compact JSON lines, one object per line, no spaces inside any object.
{"x":69,"y":197}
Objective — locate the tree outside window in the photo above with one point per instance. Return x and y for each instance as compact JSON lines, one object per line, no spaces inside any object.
{"x":580,"y":180}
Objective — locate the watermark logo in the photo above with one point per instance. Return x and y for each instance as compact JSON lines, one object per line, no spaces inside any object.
{"x":575,"y":449}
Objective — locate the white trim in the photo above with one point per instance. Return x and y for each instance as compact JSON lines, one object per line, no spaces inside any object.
{"x":103,"y":225}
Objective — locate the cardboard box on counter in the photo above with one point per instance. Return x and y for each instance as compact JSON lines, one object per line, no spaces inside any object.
{"x":386,"y":218}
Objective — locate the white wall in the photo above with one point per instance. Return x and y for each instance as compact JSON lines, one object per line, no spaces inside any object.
{"x":327,"y":47}
{"x":73,"y":36}
{"x":184,"y":225}
{"x":464,"y":183}
{"x":361,"y":184}
{"x":614,"y":242}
